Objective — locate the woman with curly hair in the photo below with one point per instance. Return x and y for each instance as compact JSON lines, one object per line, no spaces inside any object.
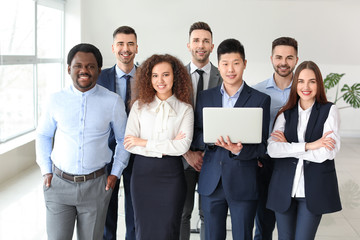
{"x":158,"y":132}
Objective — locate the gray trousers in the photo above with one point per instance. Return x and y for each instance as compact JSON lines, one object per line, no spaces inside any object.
{"x":85,"y":203}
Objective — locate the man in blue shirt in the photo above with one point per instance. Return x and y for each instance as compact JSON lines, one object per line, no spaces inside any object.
{"x":72,"y":149}
{"x":228,"y":176}
{"x":284,"y":58}
{"x":119,"y":79}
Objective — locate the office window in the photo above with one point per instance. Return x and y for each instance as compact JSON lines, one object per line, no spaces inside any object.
{"x":31,"y":61}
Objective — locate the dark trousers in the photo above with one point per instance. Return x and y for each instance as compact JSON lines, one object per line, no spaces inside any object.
{"x":191,"y":177}
{"x":265,"y":218}
{"x":297,"y":223}
{"x":215,"y":208}
{"x":112,"y":214}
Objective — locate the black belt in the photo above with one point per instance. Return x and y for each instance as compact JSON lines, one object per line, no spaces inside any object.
{"x":79,"y":178}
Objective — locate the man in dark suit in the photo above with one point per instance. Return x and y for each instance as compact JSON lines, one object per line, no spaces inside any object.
{"x":119,"y":79}
{"x":200,"y":45}
{"x":228,"y":177}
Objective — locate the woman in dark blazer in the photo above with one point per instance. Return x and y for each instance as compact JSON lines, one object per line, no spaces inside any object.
{"x":304,"y":143}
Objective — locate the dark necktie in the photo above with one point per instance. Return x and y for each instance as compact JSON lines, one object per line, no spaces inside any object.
{"x":128,"y":94}
{"x":200,"y":85}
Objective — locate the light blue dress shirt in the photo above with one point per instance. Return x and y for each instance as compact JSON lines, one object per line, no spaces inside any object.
{"x":80,"y":125}
{"x":121,"y":81}
{"x":278,"y":97}
{"x":229,"y":101}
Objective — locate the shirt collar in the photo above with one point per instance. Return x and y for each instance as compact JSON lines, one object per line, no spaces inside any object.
{"x":236,"y":95}
{"x":300,"y":110}
{"x":120,"y":73}
{"x":271,"y":83}
{"x":79,"y":93}
{"x":170,"y":99}
{"x":206,"y":68}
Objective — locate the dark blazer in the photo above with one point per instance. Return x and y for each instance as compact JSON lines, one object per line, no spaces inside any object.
{"x":237,"y":173}
{"x":321,"y":186}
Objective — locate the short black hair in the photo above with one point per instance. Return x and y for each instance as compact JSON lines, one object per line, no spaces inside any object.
{"x":124,"y":30}
{"x":285,"y":41}
{"x":230,"y":45}
{"x":88,"y":48}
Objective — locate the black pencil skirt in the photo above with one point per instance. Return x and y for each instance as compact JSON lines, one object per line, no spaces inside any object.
{"x":158,"y":190}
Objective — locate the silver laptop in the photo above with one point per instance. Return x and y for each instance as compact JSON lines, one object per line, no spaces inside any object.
{"x":240,"y":124}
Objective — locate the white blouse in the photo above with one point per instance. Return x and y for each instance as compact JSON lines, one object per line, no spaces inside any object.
{"x":297,"y":150}
{"x":159,"y":122}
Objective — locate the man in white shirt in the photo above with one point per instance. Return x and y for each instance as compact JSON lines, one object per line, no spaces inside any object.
{"x":204,"y":75}
{"x":284,"y":59}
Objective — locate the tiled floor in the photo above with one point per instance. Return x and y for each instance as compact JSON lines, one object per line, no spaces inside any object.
{"x":22,"y":210}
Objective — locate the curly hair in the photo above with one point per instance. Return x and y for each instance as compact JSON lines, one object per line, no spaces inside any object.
{"x":182,"y":86}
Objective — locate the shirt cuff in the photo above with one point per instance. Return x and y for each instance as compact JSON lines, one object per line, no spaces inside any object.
{"x":299,"y":147}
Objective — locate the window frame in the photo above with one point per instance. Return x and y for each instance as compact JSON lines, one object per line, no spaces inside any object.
{"x":7,"y":60}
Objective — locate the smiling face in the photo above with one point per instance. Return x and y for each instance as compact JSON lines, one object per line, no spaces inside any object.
{"x":200,"y":45}
{"x":284,"y":60}
{"x":307,"y":88}
{"x":84,"y":71}
{"x":162,"y":79}
{"x":231,"y":68}
{"x":125,"y":48}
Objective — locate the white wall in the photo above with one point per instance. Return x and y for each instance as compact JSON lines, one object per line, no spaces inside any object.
{"x":327,"y":32}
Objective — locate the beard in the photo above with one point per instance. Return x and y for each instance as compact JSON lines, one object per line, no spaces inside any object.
{"x":84,"y":85}
{"x":126,"y":60}
{"x":282,"y":73}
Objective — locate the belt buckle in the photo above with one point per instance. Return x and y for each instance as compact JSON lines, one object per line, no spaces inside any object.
{"x":80,"y":178}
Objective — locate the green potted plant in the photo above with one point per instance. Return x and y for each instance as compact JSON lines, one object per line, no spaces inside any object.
{"x":350,"y":94}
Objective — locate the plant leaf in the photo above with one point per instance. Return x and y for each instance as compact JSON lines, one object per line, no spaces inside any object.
{"x":332,"y":79}
{"x":352,"y":94}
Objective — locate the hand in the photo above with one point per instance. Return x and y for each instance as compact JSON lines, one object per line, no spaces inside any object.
{"x":47,"y":179}
{"x":324,"y":141}
{"x":195,"y":159}
{"x":131,"y":141}
{"x":180,"y":136}
{"x":234,"y":148}
{"x":278,"y":136}
{"x":111,"y":181}
{"x":260,"y":164}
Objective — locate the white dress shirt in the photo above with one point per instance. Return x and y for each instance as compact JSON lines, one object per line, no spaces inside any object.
{"x":159,"y":122}
{"x":195,"y":77}
{"x":297,"y":150}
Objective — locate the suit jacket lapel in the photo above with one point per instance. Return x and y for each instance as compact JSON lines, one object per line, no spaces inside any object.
{"x":312,"y":120}
{"x":214,"y":77}
{"x":244,"y":96}
{"x":217,"y":98}
{"x":112,"y":79}
{"x":188,"y":68}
